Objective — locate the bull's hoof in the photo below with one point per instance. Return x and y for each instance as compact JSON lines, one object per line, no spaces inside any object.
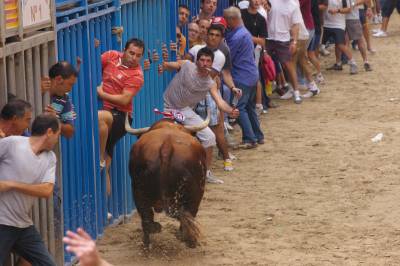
{"x":191,"y":243}
{"x":154,"y":228}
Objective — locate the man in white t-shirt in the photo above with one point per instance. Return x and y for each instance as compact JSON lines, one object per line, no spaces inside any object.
{"x":27,"y":172}
{"x":283,"y":24}
{"x":334,"y":27}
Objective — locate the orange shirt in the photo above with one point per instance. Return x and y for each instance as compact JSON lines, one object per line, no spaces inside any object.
{"x":117,"y":78}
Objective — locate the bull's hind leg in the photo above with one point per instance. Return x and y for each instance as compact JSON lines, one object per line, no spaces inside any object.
{"x":146,"y":213}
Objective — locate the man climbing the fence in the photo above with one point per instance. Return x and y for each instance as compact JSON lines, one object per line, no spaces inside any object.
{"x":122,"y":80}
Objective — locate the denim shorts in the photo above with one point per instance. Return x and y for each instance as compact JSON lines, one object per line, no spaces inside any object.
{"x":315,"y":42}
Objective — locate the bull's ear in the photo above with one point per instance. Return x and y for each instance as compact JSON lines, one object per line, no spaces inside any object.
{"x":134,"y":131}
{"x":202,"y":125}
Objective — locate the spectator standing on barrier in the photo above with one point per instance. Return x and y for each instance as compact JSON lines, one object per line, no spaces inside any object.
{"x":62,"y":77}
{"x":245,"y":75}
{"x":188,"y":87}
{"x":27,"y":172}
{"x":122,"y":80}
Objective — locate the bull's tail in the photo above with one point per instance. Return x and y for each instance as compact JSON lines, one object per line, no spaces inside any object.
{"x":190,"y":229}
{"x":166,"y":152}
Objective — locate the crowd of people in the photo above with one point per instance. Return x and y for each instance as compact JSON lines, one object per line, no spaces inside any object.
{"x":227,"y":67}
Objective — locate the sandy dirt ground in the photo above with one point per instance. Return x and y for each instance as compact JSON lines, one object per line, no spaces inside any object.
{"x":319,"y":192}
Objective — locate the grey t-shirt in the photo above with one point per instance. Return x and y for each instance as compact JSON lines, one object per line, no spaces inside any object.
{"x":19,"y":163}
{"x":186,"y":89}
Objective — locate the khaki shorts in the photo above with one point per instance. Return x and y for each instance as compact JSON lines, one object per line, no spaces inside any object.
{"x":354,"y":29}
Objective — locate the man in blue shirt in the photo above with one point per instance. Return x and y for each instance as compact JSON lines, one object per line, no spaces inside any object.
{"x":245,"y":76}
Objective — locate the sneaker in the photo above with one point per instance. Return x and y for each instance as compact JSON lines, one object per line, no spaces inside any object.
{"x":320,"y":78}
{"x":228,"y":126}
{"x":228,"y":166}
{"x":296,"y":97}
{"x":367,"y":67}
{"x":109,"y":216}
{"x":335,"y":67}
{"x":260,"y":142}
{"x":247,"y":145}
{"x":287,"y":95}
{"x":372,"y":51}
{"x":376,"y":30}
{"x":380,"y":34}
{"x":312,"y":90}
{"x":210,"y":178}
{"x":353,"y":69}
{"x":259,"y":109}
{"x":324,"y":51}
{"x":232,"y":157}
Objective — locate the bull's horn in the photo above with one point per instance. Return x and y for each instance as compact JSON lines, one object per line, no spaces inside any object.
{"x":134,"y":131}
{"x":201,"y":126}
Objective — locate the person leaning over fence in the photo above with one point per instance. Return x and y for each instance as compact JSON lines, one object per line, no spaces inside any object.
{"x":15,"y":118}
{"x":27,"y":172}
{"x":122,"y":80}
{"x":62,"y":77}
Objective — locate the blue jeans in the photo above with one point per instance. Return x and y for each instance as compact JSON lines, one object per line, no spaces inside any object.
{"x":26,"y":242}
{"x":248,"y":121}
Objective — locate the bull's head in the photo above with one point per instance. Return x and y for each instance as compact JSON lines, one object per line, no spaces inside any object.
{"x":193,"y":129}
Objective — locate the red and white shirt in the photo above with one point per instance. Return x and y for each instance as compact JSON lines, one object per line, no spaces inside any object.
{"x":117,"y":78}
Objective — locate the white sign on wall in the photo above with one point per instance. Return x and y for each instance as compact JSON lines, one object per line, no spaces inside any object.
{"x":35,"y":12}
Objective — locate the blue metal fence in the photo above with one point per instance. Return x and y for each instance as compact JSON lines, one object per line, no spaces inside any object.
{"x":84,"y":29}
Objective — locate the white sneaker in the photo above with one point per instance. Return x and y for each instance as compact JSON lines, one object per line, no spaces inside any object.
{"x":324,"y":51}
{"x":232,"y":157}
{"x":228,"y":126}
{"x":312,"y":90}
{"x":287,"y":95}
{"x":376,"y":30}
{"x":212,"y":179}
{"x":259,"y":109}
{"x":380,"y":34}
{"x":296,"y":97}
{"x":109,"y":216}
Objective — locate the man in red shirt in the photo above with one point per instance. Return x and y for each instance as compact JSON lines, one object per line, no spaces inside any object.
{"x":122,"y":80}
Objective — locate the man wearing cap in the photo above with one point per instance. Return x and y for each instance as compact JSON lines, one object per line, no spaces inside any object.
{"x":245,"y":76}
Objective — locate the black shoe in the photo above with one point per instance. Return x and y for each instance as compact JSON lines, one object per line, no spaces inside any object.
{"x":260,"y":141}
{"x":367,"y":67}
{"x":335,"y":67}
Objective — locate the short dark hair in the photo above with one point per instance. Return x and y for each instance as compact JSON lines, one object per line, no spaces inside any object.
{"x":136,"y":42}
{"x":205,"y":51}
{"x":16,"y":107}
{"x":218,"y":27}
{"x":184,"y":6}
{"x":63,"y":69}
{"x":11,"y":97}
{"x":43,"y":122}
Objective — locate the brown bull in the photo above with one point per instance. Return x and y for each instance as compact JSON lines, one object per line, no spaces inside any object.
{"x":168,"y":168}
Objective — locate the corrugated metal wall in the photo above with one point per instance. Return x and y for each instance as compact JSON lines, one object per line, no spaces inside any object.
{"x":81,"y":26}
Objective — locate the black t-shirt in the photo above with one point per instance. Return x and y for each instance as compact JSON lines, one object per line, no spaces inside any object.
{"x":254,"y":23}
{"x":316,"y":14}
